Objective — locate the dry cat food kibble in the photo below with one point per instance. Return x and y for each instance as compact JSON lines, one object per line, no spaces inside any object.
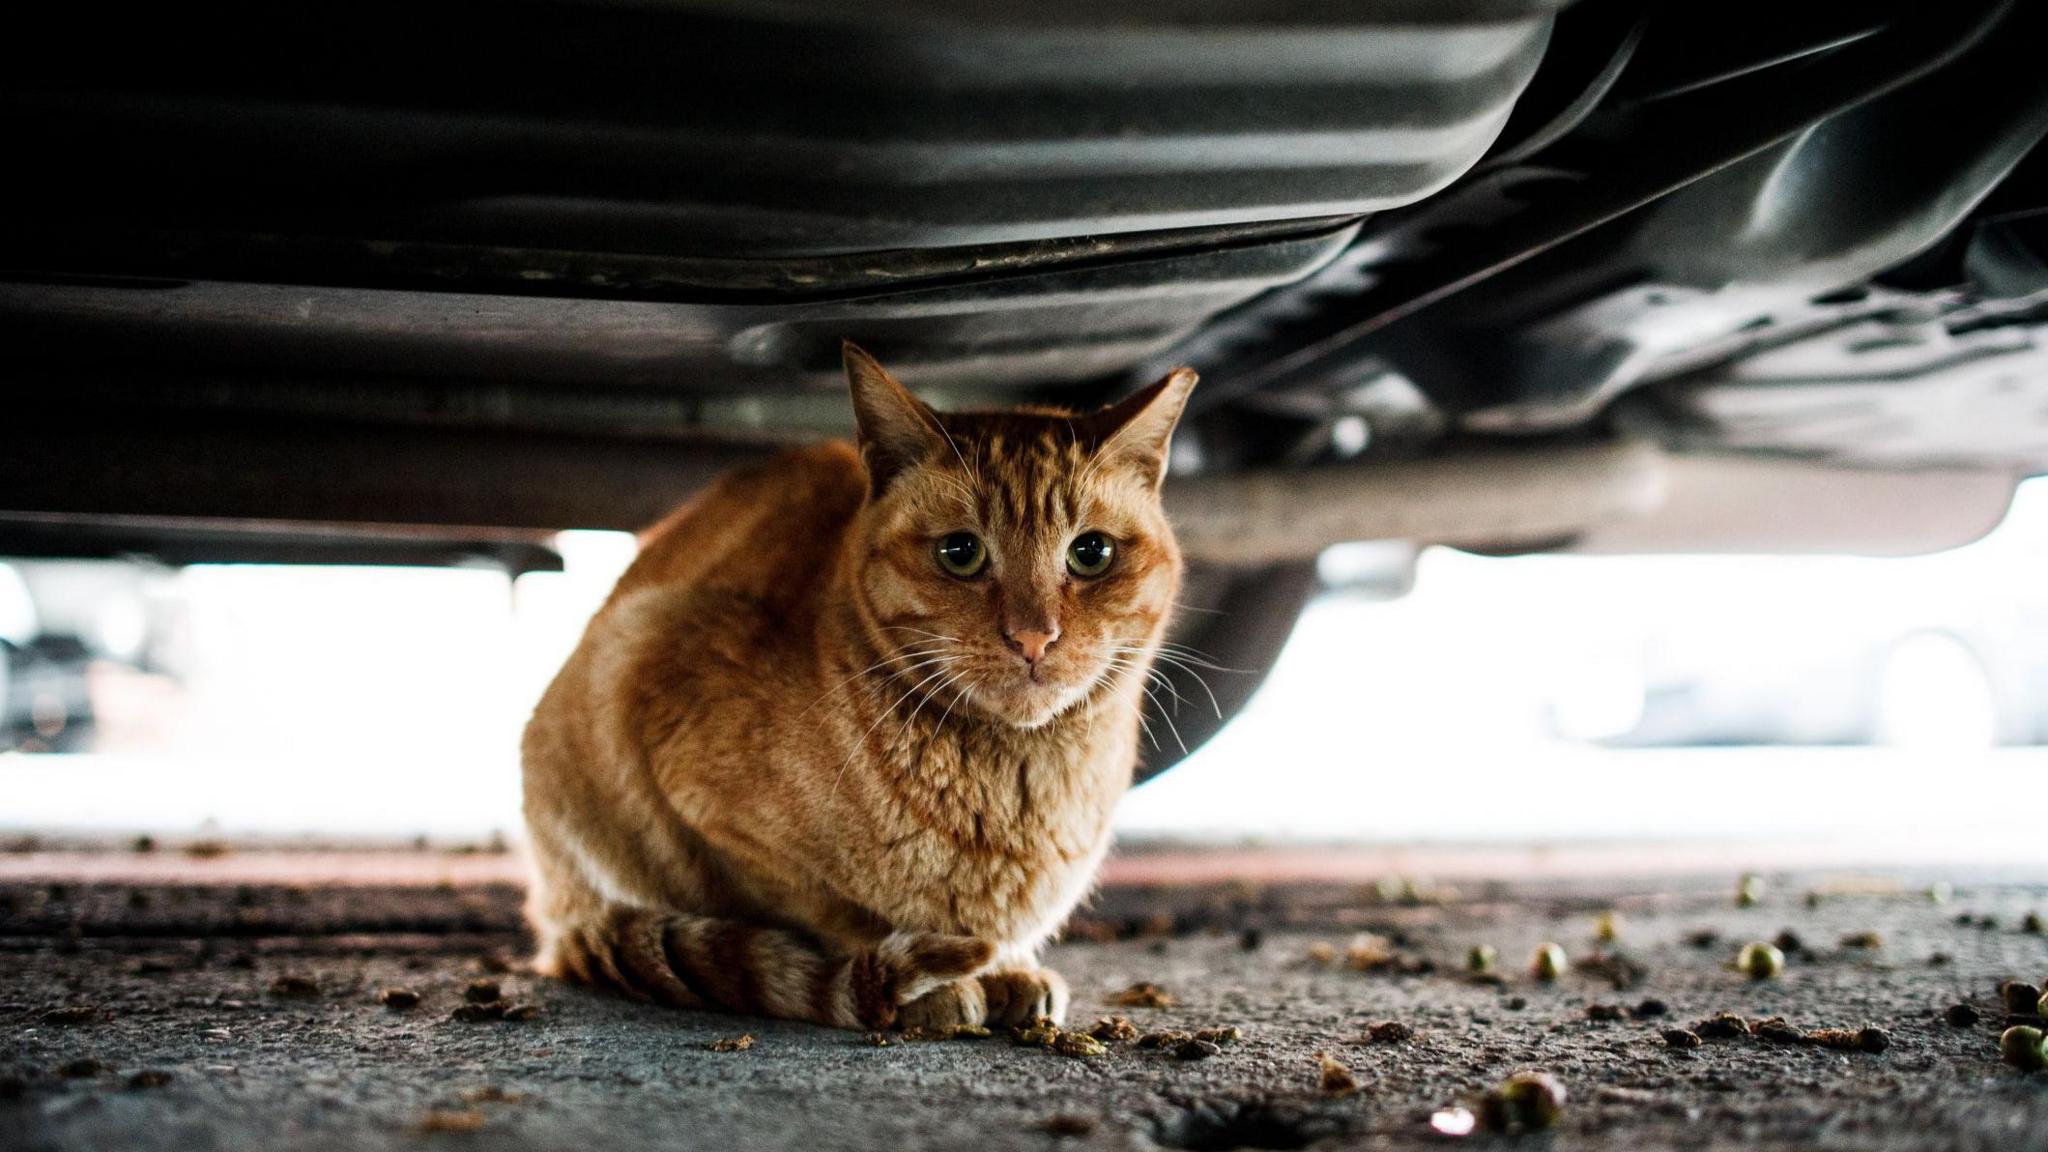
{"x":520,"y":1013}
{"x":1604,"y":1013}
{"x":481,"y":1013}
{"x":1143,"y":995}
{"x":1333,"y":1078}
{"x":1041,"y":1032}
{"x":149,"y":1078}
{"x":1548,"y":963}
{"x":738,"y":1043}
{"x":1863,"y":940}
{"x":1194,"y":1048}
{"x":1607,"y":928}
{"x":1390,"y":1032}
{"x":1722,"y":1026}
{"x":399,"y":999}
{"x":1480,"y":959}
{"x":1682,"y":1039}
{"x":1778,"y":1031}
{"x":2022,"y":1047}
{"x":1322,"y":954}
{"x":77,"y":1014}
{"x":1760,"y":961}
{"x":1534,"y":1099}
{"x":2020,"y":997}
{"x":481,"y":991}
{"x":1164,"y":1039}
{"x":442,"y":1120}
{"x":1227,"y":1034}
{"x":1851,"y":1039}
{"x":1078,"y":1045}
{"x":80,"y":1068}
{"x":1114,"y":1029}
{"x":1749,"y":890}
{"x":1961,"y":1015}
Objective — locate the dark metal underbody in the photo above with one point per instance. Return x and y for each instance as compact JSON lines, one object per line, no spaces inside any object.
{"x":470,"y":273}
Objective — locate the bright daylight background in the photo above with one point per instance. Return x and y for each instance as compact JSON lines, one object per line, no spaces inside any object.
{"x":1897,"y":704}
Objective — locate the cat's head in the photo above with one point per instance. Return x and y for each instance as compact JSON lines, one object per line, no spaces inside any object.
{"x":1014,"y":560}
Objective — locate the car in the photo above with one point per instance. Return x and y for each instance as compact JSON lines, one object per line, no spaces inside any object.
{"x":421,"y":284}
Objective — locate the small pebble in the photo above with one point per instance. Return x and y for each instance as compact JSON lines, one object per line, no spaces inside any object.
{"x":1863,"y":940}
{"x":1788,"y":942}
{"x":149,"y":1078}
{"x":80,"y":1068}
{"x":1193,"y":1049}
{"x":1249,"y":940}
{"x":74,"y":1014}
{"x":1143,"y":995}
{"x":2019,"y":996}
{"x":1390,"y":1032}
{"x":481,"y":991}
{"x":399,"y":999}
{"x":2031,"y":924}
{"x":294,"y":987}
{"x":1961,"y":1015}
{"x":1604,"y":1013}
{"x":1652,"y":1008}
{"x":1067,"y":1124}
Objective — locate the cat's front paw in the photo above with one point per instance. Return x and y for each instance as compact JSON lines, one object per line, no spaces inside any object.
{"x":1017,"y":995}
{"x":956,"y":1004}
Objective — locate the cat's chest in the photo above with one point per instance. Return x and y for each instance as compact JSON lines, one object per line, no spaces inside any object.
{"x":1004,"y":854}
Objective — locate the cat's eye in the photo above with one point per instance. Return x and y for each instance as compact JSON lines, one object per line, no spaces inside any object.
{"x":962,"y":554}
{"x":1090,"y":555}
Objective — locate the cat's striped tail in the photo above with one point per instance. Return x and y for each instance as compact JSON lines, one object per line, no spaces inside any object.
{"x":690,"y":961}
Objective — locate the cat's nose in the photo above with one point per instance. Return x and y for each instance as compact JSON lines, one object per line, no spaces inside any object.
{"x":1032,"y":644}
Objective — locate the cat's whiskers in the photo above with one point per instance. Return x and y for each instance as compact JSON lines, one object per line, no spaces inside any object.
{"x":1173,"y":656}
{"x":918,"y":649}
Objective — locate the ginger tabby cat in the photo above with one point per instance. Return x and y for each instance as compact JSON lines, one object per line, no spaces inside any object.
{"x":843,"y":744}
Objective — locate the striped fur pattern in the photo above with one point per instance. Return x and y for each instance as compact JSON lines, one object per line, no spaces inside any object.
{"x":794,"y":768}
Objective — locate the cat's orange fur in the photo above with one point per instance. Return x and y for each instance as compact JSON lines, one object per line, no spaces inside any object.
{"x":795,"y":768}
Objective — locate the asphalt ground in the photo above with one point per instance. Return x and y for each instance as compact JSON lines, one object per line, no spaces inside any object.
{"x":192,"y":1014}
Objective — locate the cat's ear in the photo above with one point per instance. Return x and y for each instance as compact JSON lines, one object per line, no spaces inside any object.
{"x":1137,"y":429}
{"x":896,"y":429}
